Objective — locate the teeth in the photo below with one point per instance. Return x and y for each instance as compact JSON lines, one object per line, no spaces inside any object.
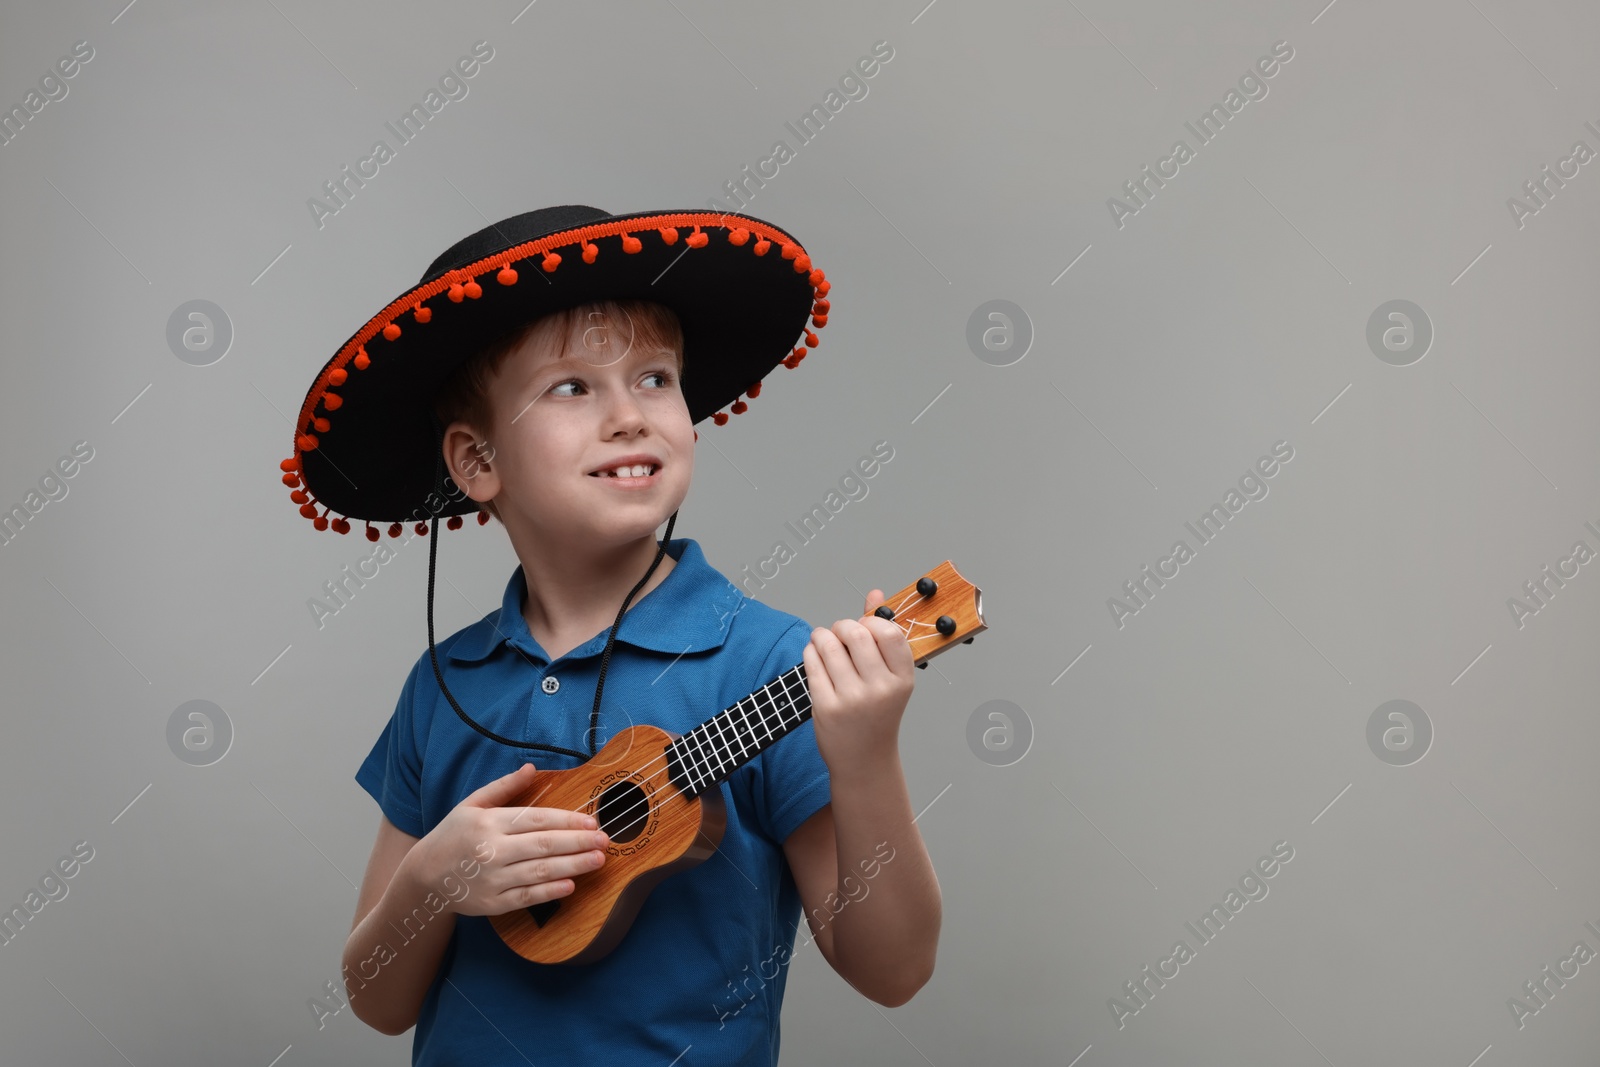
{"x":638,"y":470}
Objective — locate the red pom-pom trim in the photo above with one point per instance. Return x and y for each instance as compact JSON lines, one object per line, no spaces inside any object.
{"x":309,"y":510}
{"x":459,"y":285}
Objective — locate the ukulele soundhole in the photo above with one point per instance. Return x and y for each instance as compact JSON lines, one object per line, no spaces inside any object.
{"x":624,"y":809}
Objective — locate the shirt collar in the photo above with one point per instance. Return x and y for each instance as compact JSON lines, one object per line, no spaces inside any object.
{"x":690,"y":611}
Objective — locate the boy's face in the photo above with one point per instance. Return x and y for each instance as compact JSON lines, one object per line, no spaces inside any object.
{"x":558,"y":424}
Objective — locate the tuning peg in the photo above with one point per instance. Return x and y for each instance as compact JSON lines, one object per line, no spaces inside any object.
{"x":924,"y":666}
{"x":927,"y":586}
{"x":885,"y":612}
{"x":968,"y":641}
{"x":945,"y":625}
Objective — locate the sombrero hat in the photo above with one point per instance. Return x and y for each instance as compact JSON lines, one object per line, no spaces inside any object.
{"x":365,"y":443}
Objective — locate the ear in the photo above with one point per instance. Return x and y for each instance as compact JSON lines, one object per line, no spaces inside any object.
{"x":469,"y":457}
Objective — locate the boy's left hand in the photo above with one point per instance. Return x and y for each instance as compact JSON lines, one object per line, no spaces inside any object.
{"x":860,"y":674}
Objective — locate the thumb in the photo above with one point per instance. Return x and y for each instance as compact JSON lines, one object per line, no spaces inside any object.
{"x":502,"y":791}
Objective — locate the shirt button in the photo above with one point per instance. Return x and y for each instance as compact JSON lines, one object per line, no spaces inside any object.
{"x":551,"y":684}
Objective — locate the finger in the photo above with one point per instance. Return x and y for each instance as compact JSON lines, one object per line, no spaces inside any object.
{"x":540,"y":872}
{"x":503,"y":790}
{"x":524,"y":847}
{"x":517,"y":897}
{"x":818,"y":683}
{"x":862,"y":643}
{"x":895,"y":646}
{"x":521,"y":819}
{"x":841,"y":669}
{"x":874,"y":599}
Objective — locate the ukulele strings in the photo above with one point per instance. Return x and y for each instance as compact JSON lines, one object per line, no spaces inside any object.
{"x":648,"y":797}
{"x":625,"y":817}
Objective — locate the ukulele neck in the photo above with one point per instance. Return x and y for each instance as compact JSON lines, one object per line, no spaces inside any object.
{"x":712,"y":751}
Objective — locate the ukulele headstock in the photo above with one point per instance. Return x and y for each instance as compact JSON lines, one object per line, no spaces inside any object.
{"x":938,"y":610}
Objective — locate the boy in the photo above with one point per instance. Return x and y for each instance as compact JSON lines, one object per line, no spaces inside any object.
{"x":607,"y":364}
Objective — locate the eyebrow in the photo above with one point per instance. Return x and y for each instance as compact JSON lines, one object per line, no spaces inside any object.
{"x":566,"y":361}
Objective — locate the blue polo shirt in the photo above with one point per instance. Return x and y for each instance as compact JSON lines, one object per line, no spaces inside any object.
{"x":704,"y":965}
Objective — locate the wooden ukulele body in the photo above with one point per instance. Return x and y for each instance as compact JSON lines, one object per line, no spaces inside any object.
{"x":631,"y":786}
{"x":655,"y":830}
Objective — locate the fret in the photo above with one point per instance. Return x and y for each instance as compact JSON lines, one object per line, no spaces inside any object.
{"x":708,"y":773}
{"x":722,"y":739}
{"x":703,"y":768}
{"x":716,"y":748}
{"x":721,"y":747}
{"x":800,"y":712}
{"x":690,"y":765}
{"x":761,"y":716}
{"x":782,"y":706}
{"x":744,"y":715}
{"x":780,"y":701}
{"x":733,"y":724}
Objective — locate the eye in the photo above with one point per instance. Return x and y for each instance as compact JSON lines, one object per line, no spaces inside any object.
{"x":666,"y":377}
{"x":562,"y":385}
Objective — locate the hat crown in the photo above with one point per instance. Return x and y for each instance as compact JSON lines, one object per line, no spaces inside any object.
{"x":507,"y":233}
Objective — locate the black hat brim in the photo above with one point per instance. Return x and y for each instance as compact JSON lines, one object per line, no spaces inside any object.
{"x":741,"y":313}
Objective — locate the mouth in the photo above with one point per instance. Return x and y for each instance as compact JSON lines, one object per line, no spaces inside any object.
{"x":629,"y":475}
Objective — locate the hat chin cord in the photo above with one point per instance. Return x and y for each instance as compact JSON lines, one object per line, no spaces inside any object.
{"x":441,"y":479}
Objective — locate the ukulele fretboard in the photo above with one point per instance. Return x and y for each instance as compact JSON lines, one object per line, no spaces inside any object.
{"x":722,"y":744}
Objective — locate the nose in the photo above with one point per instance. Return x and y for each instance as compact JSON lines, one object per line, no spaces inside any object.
{"x":622,"y":412}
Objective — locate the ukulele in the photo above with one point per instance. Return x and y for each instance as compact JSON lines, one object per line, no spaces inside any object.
{"x":655,"y":793}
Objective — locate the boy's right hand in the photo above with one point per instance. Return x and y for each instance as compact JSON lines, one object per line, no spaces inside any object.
{"x":533,"y":852}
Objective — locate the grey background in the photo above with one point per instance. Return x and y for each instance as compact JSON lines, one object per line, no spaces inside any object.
{"x":1230,"y":313}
